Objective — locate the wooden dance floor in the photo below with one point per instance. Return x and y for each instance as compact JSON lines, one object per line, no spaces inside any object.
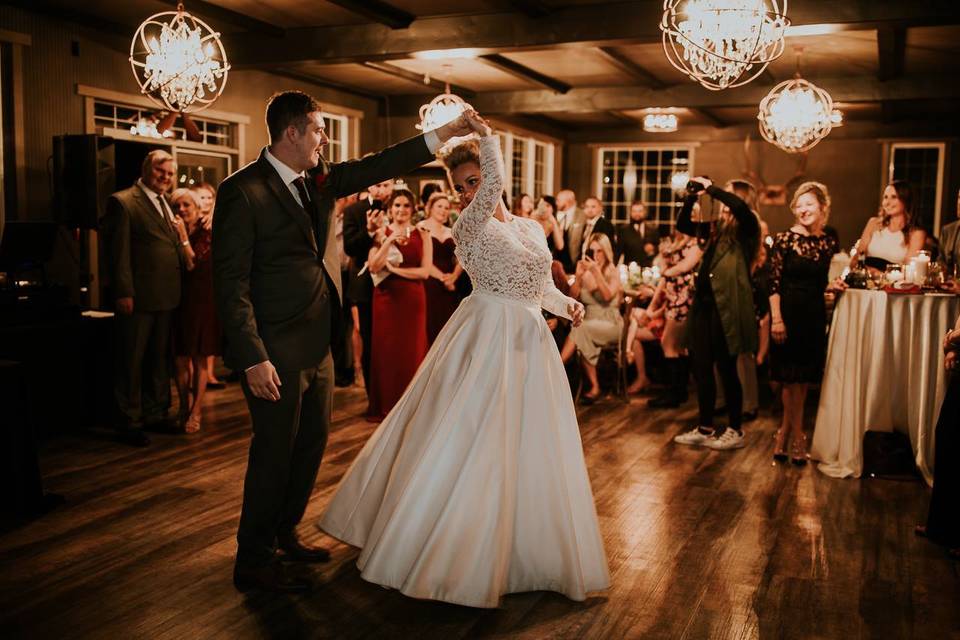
{"x":701,"y":544}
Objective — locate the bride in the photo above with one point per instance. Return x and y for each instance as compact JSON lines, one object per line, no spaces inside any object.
{"x":474,"y":486}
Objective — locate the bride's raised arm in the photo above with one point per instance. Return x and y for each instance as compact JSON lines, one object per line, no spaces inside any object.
{"x":488,"y":196}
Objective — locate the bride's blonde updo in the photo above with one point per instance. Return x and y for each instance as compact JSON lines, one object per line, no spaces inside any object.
{"x":462,"y":154}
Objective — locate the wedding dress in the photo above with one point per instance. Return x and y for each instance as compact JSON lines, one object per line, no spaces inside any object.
{"x":474,"y":485}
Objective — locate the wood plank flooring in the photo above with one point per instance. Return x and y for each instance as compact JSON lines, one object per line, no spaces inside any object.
{"x":701,"y":544}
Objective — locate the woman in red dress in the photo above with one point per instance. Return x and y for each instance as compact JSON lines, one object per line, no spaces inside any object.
{"x":196,"y":332}
{"x":399,"y":305}
{"x":442,"y":295}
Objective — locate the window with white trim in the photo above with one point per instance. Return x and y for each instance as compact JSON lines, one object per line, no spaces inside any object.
{"x":653,"y":175}
{"x":920,"y":164}
{"x":529,"y":164}
{"x":143,"y":121}
{"x":338,"y":131}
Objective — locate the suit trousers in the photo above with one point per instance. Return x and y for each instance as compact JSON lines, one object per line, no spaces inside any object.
{"x":342,"y":347}
{"x":289,"y":437}
{"x":142,"y":377}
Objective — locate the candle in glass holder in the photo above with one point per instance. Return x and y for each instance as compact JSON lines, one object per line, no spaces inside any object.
{"x":921,"y":262}
{"x":910,"y":272}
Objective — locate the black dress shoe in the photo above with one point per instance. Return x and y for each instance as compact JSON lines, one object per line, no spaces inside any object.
{"x":296,"y":551}
{"x":271,"y":577}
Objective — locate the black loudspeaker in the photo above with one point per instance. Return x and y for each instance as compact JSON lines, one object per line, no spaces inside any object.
{"x":83,"y":179}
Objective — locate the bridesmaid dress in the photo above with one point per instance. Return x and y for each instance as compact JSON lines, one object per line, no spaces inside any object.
{"x":441,"y":302}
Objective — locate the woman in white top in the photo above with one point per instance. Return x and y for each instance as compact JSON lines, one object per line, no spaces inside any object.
{"x":890,"y":237}
{"x":475,"y":485}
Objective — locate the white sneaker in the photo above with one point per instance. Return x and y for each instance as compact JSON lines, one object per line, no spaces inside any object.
{"x":693,"y":437}
{"x":729,"y":439}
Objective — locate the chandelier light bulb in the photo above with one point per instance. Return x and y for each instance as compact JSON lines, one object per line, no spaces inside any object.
{"x":796,"y":115}
{"x":660,"y":122}
{"x":179,"y":61}
{"x":723,"y":43}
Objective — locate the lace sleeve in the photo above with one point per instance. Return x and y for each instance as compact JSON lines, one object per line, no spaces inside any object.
{"x":554,"y":301}
{"x":479,"y":211}
{"x":778,"y":252}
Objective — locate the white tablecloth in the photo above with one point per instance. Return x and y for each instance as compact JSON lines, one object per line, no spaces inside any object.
{"x":884,"y":371}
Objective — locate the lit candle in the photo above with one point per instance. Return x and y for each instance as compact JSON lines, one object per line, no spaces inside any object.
{"x":911,"y":272}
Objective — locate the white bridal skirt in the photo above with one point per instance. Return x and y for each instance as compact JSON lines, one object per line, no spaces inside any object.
{"x":475,"y":486}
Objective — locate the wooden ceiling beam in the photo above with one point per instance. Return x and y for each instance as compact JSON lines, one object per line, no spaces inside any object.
{"x":892,"y":51}
{"x":690,"y":95}
{"x":524,"y":72}
{"x":216,"y":13}
{"x":417,"y":78}
{"x":607,"y":24}
{"x":377,"y":11}
{"x":626,"y":65}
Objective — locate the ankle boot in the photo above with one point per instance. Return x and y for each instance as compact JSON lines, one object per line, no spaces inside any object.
{"x":671,"y":397}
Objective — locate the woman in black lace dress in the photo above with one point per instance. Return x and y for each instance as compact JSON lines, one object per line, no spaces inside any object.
{"x":799,"y":264}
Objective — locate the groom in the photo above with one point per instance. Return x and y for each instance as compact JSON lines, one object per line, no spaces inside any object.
{"x":278,"y":291}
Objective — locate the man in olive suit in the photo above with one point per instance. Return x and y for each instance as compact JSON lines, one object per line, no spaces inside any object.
{"x":144,"y":245}
{"x":278,"y":290}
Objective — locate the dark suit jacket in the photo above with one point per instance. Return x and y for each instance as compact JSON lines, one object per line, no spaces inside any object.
{"x":950,"y":243}
{"x":143,"y":252}
{"x":278,"y":295}
{"x":602,"y":225}
{"x":630,"y":243}
{"x":356,"y":244}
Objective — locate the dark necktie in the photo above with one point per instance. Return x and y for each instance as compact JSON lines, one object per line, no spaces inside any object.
{"x":167,"y":215}
{"x":301,"y":186}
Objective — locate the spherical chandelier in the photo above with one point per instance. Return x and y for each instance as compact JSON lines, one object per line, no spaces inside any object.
{"x":723,"y":43}
{"x":444,"y":108}
{"x":796,"y":115}
{"x":178,"y":61}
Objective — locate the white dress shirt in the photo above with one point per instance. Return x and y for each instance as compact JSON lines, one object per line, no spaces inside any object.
{"x":155,"y":199}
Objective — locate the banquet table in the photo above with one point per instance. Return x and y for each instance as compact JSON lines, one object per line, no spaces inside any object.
{"x":884,"y":372}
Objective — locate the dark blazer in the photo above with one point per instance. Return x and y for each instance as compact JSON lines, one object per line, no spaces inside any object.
{"x":277,"y":294}
{"x":631,"y":243}
{"x":143,"y":252}
{"x":356,"y":244}
{"x":602,"y":225}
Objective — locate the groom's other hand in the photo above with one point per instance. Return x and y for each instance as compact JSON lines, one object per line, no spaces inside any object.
{"x":263,"y":381}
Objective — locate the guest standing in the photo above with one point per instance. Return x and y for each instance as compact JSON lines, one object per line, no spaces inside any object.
{"x":950,"y":243}
{"x":799,"y":266}
{"x":891,"y":237}
{"x":637,"y":240}
{"x":681,"y":253}
{"x":571,"y":219}
{"x":943,"y":517}
{"x":361,"y":221}
{"x":206,"y":195}
{"x":598,"y":286}
{"x":196,"y":331}
{"x":545,"y":214}
{"x":144,"y":245}
{"x":399,"y":306}
{"x":441,"y":287}
{"x":722,"y":322}
{"x":522,"y":206}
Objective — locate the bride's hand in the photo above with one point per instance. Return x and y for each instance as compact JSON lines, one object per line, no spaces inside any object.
{"x":576,"y":310}
{"x":477,"y":124}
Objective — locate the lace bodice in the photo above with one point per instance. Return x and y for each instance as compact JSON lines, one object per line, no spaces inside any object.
{"x":511,"y":258}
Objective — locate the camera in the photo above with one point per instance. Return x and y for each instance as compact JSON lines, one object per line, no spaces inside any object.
{"x":376,"y":205}
{"x":694,"y":187}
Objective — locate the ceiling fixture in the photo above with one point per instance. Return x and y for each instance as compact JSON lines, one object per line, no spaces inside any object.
{"x":796,"y":114}
{"x":836,"y":118}
{"x":444,"y":108}
{"x":660,"y":122}
{"x":723,"y":43}
{"x":179,"y":64}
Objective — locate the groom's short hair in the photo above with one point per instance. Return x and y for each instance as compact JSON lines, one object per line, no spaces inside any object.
{"x":289,"y":108}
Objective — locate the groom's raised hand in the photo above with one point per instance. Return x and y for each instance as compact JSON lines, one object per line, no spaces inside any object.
{"x":264,"y":382}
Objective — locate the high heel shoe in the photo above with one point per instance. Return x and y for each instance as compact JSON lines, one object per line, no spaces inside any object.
{"x":780,"y":446}
{"x":192,"y":425}
{"x":798,"y":450}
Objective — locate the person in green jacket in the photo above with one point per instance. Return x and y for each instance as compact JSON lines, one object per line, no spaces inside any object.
{"x":722,"y":323}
